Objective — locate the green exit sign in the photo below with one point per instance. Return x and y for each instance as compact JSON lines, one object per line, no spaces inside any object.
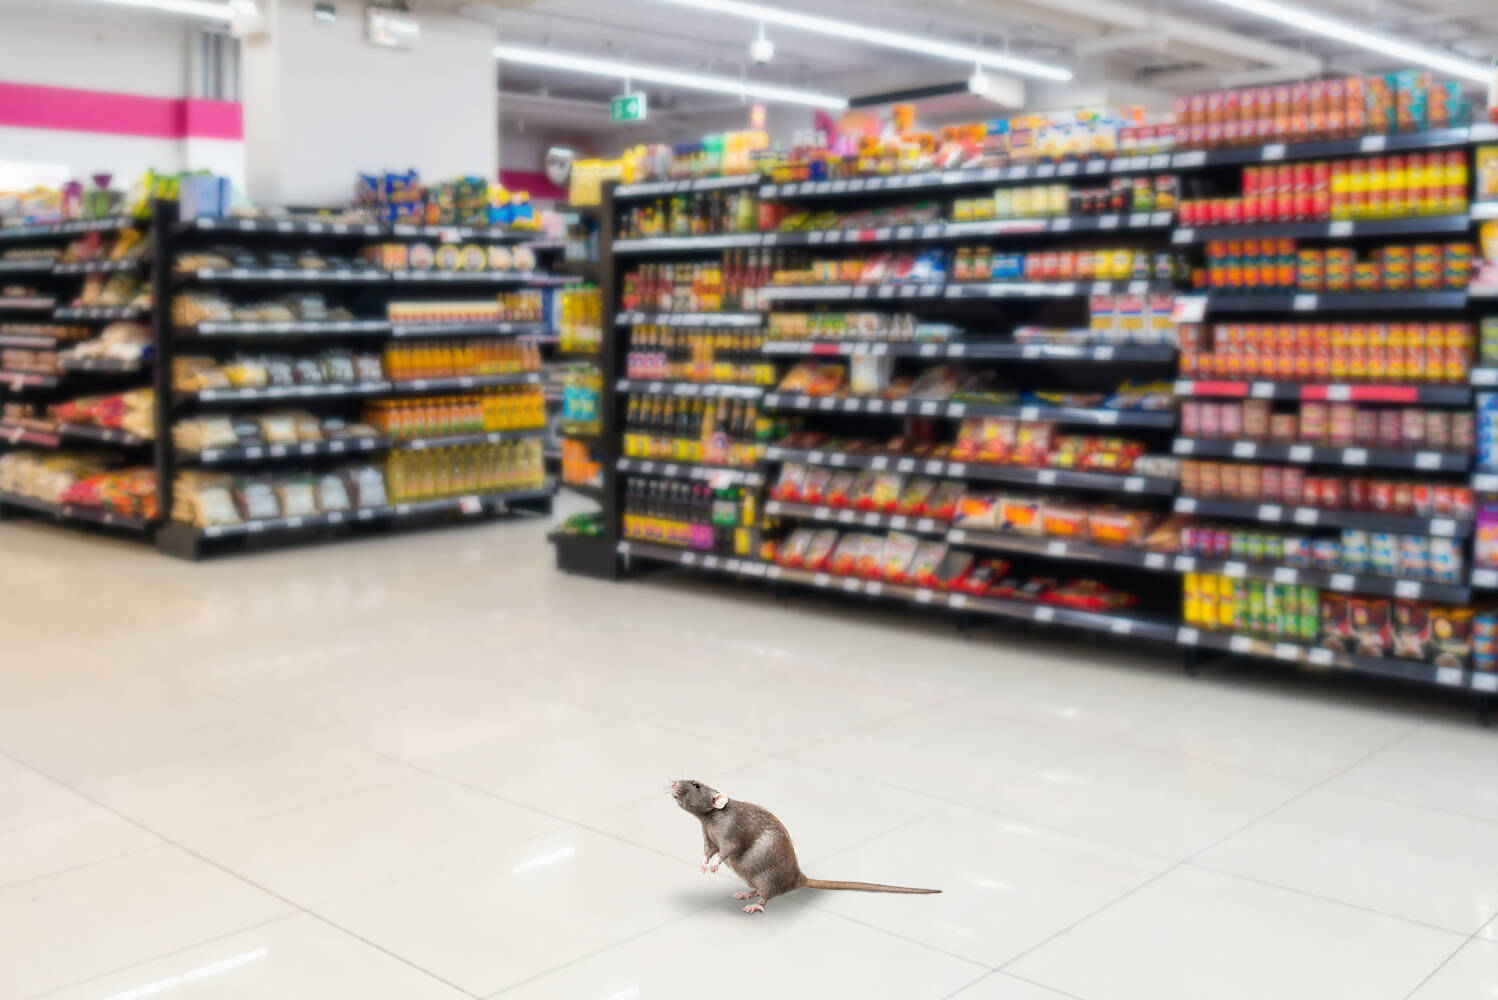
{"x":627,"y":108}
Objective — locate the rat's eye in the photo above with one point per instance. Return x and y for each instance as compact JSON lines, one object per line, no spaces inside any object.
{"x":696,"y":786}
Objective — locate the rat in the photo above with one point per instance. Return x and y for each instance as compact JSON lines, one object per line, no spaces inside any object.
{"x":755,"y":845}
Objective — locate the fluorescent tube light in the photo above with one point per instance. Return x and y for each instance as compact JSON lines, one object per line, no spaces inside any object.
{"x":192,"y":8}
{"x":670,"y":77}
{"x":1341,"y":31}
{"x":877,"y":36}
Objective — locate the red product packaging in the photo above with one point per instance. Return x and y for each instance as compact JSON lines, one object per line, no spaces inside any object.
{"x":1357,"y":493}
{"x":1272,"y":483}
{"x":1381,"y":496}
{"x":1423,"y":499}
{"x":1442,"y":501}
{"x":1404,"y":498}
{"x":1293,"y":480}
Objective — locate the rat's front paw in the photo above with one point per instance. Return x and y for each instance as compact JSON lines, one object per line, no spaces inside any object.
{"x":713,"y":863}
{"x":705,"y":860}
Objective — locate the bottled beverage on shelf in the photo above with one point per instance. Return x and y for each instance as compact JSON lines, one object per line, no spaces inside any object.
{"x":524,"y":305}
{"x":694,"y":213}
{"x":724,"y":285}
{"x":435,"y":473}
{"x":503,"y":409}
{"x":711,"y":431}
{"x":455,"y":358}
{"x":582,"y":387}
{"x":581,"y":326}
{"x":698,"y":355}
{"x":580,"y":467}
{"x":689,"y":514}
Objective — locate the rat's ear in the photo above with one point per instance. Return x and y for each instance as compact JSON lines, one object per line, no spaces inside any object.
{"x":720,"y":800}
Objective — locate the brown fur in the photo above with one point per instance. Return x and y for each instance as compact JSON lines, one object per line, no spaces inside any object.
{"x":755,"y":846}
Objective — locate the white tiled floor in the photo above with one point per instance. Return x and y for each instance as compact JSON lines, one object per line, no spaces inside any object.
{"x":429,"y":766}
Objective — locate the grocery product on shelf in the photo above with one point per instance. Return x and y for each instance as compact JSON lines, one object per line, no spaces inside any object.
{"x":192,"y":373}
{"x":784,"y":217}
{"x":309,"y":260}
{"x":402,"y":198}
{"x":408,"y":360}
{"x":435,"y":473}
{"x":884,"y":327}
{"x":695,"y":213}
{"x":581,"y":326}
{"x":113,"y":290}
{"x":582,"y":389}
{"x":698,"y":355}
{"x":470,"y":257}
{"x":1120,"y":195}
{"x":207,"y":499}
{"x":719,"y":153}
{"x":133,"y":410}
{"x":1418,"y":352}
{"x":206,"y":432}
{"x":1257,"y":608}
{"x":983,"y":263}
{"x":790,"y":268}
{"x":1281,"y":266}
{"x":86,"y":478}
{"x":1256,"y":482}
{"x":1319,"y":109}
{"x":1388,"y":554}
{"x":579,"y":466}
{"x":199,"y":305}
{"x":503,"y":409}
{"x":124,"y":343}
{"x":1335,"y":424}
{"x":696,"y":516}
{"x":727,"y":432}
{"x":699,"y":286}
{"x":1399,"y":185}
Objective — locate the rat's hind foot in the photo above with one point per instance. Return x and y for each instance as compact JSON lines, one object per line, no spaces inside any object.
{"x":755,"y":908}
{"x":745,"y":895}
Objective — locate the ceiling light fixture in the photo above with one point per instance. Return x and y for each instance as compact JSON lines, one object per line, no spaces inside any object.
{"x":669,"y":77}
{"x":877,"y":36}
{"x":191,"y":8}
{"x":1343,"y":32}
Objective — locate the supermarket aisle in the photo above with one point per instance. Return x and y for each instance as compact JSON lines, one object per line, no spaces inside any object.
{"x":428,"y":766}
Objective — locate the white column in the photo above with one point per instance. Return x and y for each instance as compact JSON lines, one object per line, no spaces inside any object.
{"x":322,"y":104}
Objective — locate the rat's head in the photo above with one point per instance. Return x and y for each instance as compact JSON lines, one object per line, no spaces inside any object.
{"x":697,"y":798}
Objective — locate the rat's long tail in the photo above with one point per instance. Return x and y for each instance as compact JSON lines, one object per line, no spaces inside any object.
{"x":816,"y":883}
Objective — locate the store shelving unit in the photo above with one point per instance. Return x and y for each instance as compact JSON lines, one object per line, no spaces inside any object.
{"x":988,"y":309}
{"x":365,"y":288}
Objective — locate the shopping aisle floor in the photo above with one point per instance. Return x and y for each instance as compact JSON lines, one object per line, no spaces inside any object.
{"x":429,"y":766}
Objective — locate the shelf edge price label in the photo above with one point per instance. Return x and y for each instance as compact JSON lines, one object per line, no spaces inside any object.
{"x":1307,"y":515}
{"x":470,"y":505}
{"x":1241,"y":644}
{"x":1450,"y":676}
{"x":1154,"y":560}
{"x":1188,"y":636}
{"x":1341,"y":581}
{"x":1055,"y":548}
{"x":1286,"y":574}
{"x":1045,"y":477}
{"x":1303,"y":302}
{"x":1485,"y":682}
{"x":1270,"y":512}
{"x":1287,"y":651}
{"x":1185,"y":505}
{"x":1121,"y":626}
{"x":1300,"y":453}
{"x":1234,"y":569}
{"x":1045,"y":614}
{"x":1354,"y":456}
{"x":1443,"y":526}
{"x":958,"y":601}
{"x":1339,"y":228}
{"x":1244,"y":449}
{"x":923,"y":596}
{"x":1320,"y":657}
{"x":1273,"y":151}
{"x":1410,"y":589}
{"x":1427,"y":460}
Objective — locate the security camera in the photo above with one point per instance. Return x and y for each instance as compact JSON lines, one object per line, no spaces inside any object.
{"x":761,"y":50}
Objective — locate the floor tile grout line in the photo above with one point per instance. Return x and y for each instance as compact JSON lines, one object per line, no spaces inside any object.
{"x":1184,"y":861}
{"x":164,"y":955}
{"x":1308,"y":894}
{"x":168,"y":841}
{"x":80,"y":867}
{"x":992,"y":973}
{"x":1433,"y":972}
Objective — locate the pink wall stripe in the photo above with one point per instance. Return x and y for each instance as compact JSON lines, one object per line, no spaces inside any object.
{"x":28,"y":105}
{"x":534,"y":181}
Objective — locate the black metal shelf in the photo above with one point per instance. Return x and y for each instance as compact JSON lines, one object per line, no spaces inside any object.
{"x":857,"y":518}
{"x":1060,"y":548}
{"x":1419,"y":225}
{"x":46,"y":266}
{"x":112,"y":365}
{"x":100,"y":266}
{"x":1141,"y":626}
{"x":1353,"y":583}
{"x":979,"y":350}
{"x":1275,"y":151}
{"x":1310,"y":517}
{"x":592,"y":491}
{"x":842,"y":293}
{"x":284,"y":328}
{"x":368,"y":388}
{"x":668,"y":387}
{"x":76,"y":512}
{"x":722,"y":474}
{"x":74,"y":228}
{"x":733,"y":319}
{"x":649,"y":189}
{"x":272,"y":275}
{"x":27,"y":303}
{"x":107,"y":314}
{"x":976,"y":470}
{"x":476,"y":503}
{"x":489,"y":329}
{"x":1055,"y":289}
{"x":1318,"y":657}
{"x":1350,"y":302}
{"x":968,"y":176}
{"x":102,"y":435}
{"x":285,"y":227}
{"x":1305,"y":454}
{"x":956,"y":410}
{"x":1454,"y":395}
{"x":457,"y":234}
{"x":474,"y":277}
{"x":270,"y":452}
